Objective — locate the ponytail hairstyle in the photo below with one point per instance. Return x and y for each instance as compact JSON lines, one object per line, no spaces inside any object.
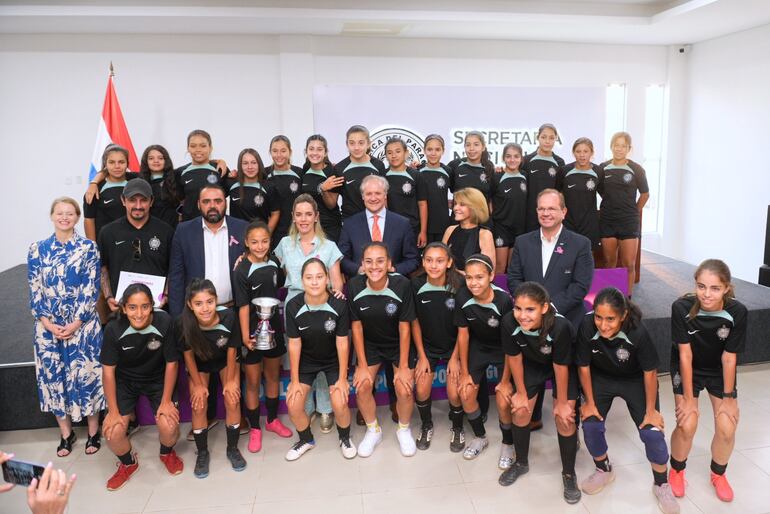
{"x":319,"y":231}
{"x":514,"y":146}
{"x":622,"y":306}
{"x":483,"y":259}
{"x":356,"y":129}
{"x":256,"y":224}
{"x":110,"y":148}
{"x":583,"y":141}
{"x":260,"y":168}
{"x":453,"y":277}
{"x":129,"y":292}
{"x":548,"y":126}
{"x":316,"y":260}
{"x":489,"y":167}
{"x":168,"y":188}
{"x":190,"y":329}
{"x":722,"y":271}
{"x":322,"y":140}
{"x":539,"y":294}
{"x":375,"y":244}
{"x":280,"y":138}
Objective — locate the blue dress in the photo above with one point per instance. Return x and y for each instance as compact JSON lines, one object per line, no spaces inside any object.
{"x":64,"y":286}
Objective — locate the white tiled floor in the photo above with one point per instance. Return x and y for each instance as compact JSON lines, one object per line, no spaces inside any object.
{"x":436,"y":480}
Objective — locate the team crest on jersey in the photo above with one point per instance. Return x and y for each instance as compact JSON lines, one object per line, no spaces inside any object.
{"x":441,"y":182}
{"x":391,"y":308}
{"x":552,"y":171}
{"x":259,"y":200}
{"x":212,"y":179}
{"x":407,"y":188}
{"x":221,"y":342}
{"x":493,"y":322}
{"x":723,"y":332}
{"x":590,"y":185}
{"x":622,"y":354}
{"x":293,"y":187}
{"x":523,"y":187}
{"x":154,"y":243}
{"x":627,"y":178}
{"x":330,"y":325}
{"x":499,"y":242}
{"x":676,"y":379}
{"x":546,"y":349}
{"x":153,"y":344}
{"x":450,"y":303}
{"x":483,"y":178}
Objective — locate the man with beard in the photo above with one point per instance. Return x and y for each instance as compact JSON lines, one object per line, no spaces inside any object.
{"x":137,"y":242}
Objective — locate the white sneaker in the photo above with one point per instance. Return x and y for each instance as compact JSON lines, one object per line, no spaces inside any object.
{"x":299,"y":449}
{"x":370,"y":441}
{"x":406,"y":441}
{"x":475,"y":447}
{"x":348,"y":448}
{"x":506,"y":457}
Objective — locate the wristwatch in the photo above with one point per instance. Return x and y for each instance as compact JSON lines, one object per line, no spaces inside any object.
{"x":734,"y":394}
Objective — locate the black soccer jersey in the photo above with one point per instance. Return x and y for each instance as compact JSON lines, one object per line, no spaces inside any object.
{"x":465,"y":174}
{"x":579,"y":188}
{"x":402,"y":196}
{"x":256,"y":200}
{"x":709,"y":334}
{"x":509,"y":202}
{"x":190,"y":179}
{"x":433,"y":185}
{"x":108,"y":207}
{"x":331,"y":219}
{"x":381,"y":311}
{"x":623,"y":356}
{"x":147,"y":250}
{"x":557,"y":348}
{"x":354,"y":173}
{"x":162,"y":207}
{"x":318,"y":326}
{"x":225,"y":334}
{"x":435,"y":307}
{"x":255,"y":280}
{"x":288,"y":186}
{"x":482,"y":319}
{"x":542,"y":173}
{"x":140,"y":355}
{"x":618,"y":188}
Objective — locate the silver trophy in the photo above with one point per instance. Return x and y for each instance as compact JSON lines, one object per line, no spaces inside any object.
{"x":264,"y":334}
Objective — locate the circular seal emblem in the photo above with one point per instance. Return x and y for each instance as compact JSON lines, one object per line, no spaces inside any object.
{"x":450,"y":303}
{"x":154,"y":243}
{"x":676,"y":379}
{"x":407,"y":188}
{"x":483,"y":178}
{"x":330,"y":325}
{"x":723,"y":332}
{"x":415,"y":143}
{"x":259,"y":200}
{"x":493,"y":322}
{"x":293,"y":187}
{"x":499,"y":242}
{"x":622,"y":354}
{"x":391,"y":308}
{"x":523,"y":187}
{"x":552,"y":171}
{"x":441,"y":182}
{"x":212,"y":179}
{"x":546,"y":349}
{"x":590,"y":185}
{"x":153,"y":344}
{"x":221,"y":341}
{"x":627,"y":178}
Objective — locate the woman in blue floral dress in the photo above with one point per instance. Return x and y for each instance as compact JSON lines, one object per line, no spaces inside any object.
{"x":64,"y":274}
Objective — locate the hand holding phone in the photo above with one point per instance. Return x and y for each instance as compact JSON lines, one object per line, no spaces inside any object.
{"x":20,"y":472}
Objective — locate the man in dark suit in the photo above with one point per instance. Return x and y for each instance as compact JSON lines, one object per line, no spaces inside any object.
{"x":376,"y":223}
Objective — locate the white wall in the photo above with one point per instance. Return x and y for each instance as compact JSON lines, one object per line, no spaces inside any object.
{"x":244,"y":90}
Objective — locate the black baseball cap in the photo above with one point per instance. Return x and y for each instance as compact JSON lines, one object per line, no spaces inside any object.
{"x":137,"y":186}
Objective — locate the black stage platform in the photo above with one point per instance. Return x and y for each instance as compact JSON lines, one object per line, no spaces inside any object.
{"x":662,"y":280}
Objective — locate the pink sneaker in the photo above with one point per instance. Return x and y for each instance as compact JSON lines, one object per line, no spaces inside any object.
{"x":255,"y":440}
{"x":722,"y":487}
{"x":279,"y":428}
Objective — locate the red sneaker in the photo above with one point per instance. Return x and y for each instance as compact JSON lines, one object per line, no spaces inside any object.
{"x":722,"y":487}
{"x":122,"y":475}
{"x":173,"y":463}
{"x":677,"y":481}
{"x":279,"y":428}
{"x":255,"y":440}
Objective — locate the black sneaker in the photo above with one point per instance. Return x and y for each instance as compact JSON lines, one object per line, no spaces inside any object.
{"x":426,"y":434}
{"x":202,"y":464}
{"x":456,"y":440}
{"x":512,"y":474}
{"x":236,"y":459}
{"x":571,"y":491}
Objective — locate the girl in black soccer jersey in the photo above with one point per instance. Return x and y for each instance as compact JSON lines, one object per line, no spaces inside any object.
{"x":320,"y":182}
{"x":252,"y":197}
{"x":191,"y":177}
{"x":479,"y":307}
{"x":354,"y":168}
{"x":709,"y":331}
{"x":579,"y":184}
{"x":434,"y":335}
{"x":433,"y":184}
{"x":317,"y":326}
{"x":402,"y":190}
{"x":542,"y":169}
{"x":475,"y":169}
{"x":508,"y":205}
{"x":157,"y":169}
{"x":211,"y":340}
{"x":621,"y":211}
{"x":287,"y":182}
{"x":107,"y":206}
{"x":140,"y":357}
{"x":468,"y":237}
{"x":616,"y":358}
{"x":381,"y":311}
{"x":260,"y":275}
{"x":538,"y":344}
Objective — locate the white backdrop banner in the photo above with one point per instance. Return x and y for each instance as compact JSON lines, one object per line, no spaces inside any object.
{"x":504,"y":114}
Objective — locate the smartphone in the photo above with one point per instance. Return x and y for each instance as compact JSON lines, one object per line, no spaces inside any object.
{"x":20,"y":472}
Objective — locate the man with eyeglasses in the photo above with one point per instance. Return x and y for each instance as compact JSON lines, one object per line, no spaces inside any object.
{"x":135,"y":243}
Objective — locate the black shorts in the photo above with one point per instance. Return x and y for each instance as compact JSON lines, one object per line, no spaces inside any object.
{"x":434,"y":358}
{"x":256,"y":356}
{"x":213,"y":366}
{"x":628,"y":229}
{"x":128,"y":392}
{"x":308,"y":377}
{"x":606,"y":388}
{"x":503,"y":237}
{"x":379,"y":355}
{"x":714,"y":384}
{"x":479,"y":359}
{"x":536,"y":375}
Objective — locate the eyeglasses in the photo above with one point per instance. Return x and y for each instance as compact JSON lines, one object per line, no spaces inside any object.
{"x":547,"y":210}
{"x":136,"y":244}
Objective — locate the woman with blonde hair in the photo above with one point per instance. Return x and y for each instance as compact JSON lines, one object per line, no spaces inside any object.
{"x":468,"y":237}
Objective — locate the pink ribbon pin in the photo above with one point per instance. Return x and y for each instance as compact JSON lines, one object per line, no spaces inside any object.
{"x":559,"y":250}
{"x":233,"y":241}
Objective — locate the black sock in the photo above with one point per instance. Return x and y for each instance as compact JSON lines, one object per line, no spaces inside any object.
{"x":253,"y":416}
{"x":456,"y":415}
{"x":423,"y":407}
{"x":483,"y":395}
{"x":127,"y":459}
{"x":507,"y":430}
{"x":233,"y":433}
{"x":344,"y":432}
{"x":568,"y":452}
{"x":474,"y":418}
{"x":659,"y":477}
{"x":306,"y":435}
{"x":165,"y":450}
{"x":272,"y":408}
{"x":521,"y":443}
{"x":201,"y":440}
{"x":678,"y":465}
{"x":604,"y":465}
{"x":718,"y":469}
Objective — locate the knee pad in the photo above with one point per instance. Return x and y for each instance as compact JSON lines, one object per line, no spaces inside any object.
{"x":593,"y":435}
{"x":654,"y":445}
